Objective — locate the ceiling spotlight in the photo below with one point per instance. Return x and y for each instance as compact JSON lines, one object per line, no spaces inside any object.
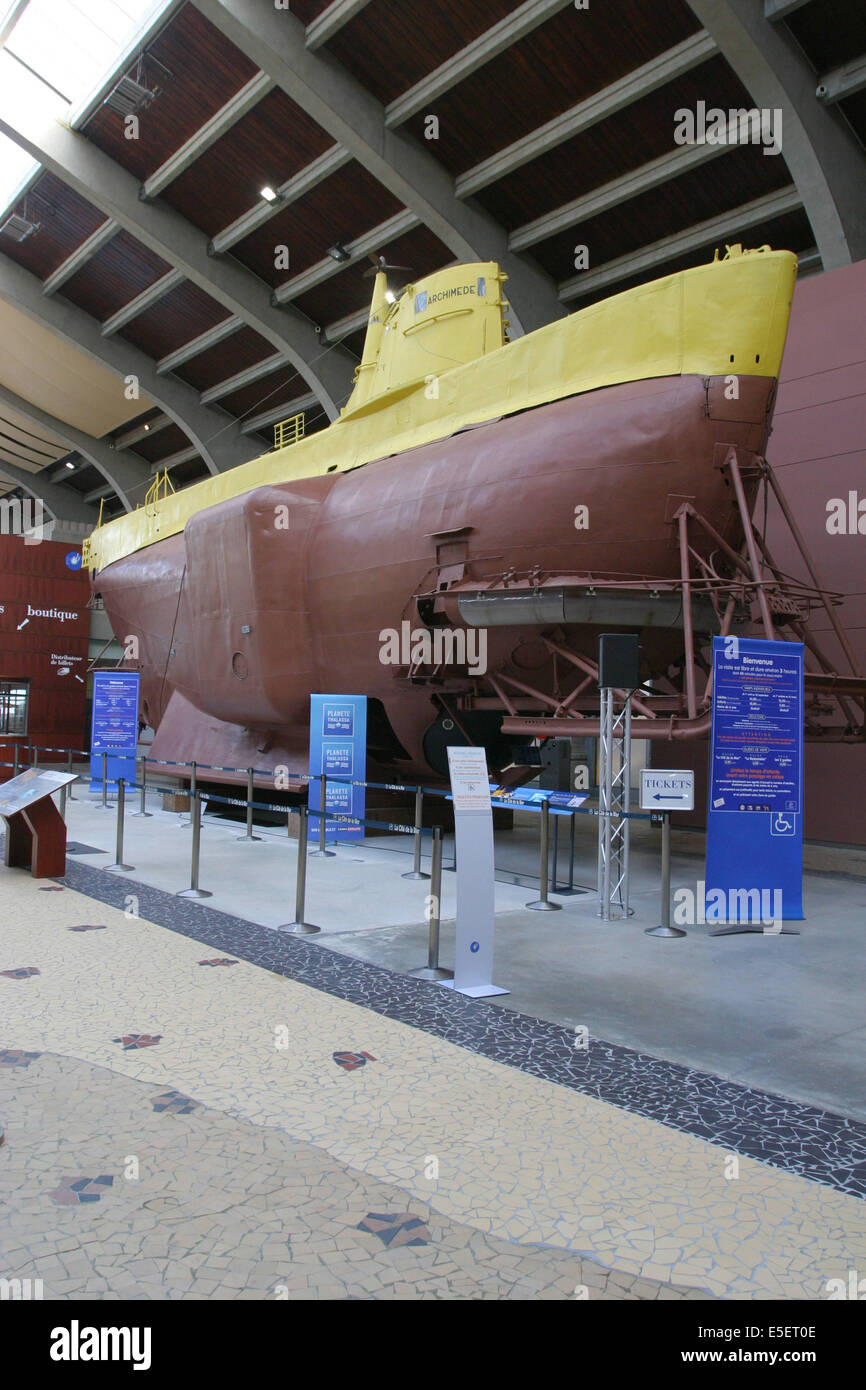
{"x":338,"y":252}
{"x":147,"y":427}
{"x":269,"y":194}
{"x":69,"y":463}
{"x":391,"y":296}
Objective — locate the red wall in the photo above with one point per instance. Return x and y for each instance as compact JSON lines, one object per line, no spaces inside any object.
{"x":818,"y":450}
{"x":37,"y":577}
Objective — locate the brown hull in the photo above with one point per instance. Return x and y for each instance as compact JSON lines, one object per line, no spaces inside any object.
{"x":239,"y":620}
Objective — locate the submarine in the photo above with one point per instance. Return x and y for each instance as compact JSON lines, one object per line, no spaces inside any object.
{"x":530,"y":493}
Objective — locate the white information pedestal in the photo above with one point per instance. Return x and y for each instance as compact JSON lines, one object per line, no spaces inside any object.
{"x":473,"y":829}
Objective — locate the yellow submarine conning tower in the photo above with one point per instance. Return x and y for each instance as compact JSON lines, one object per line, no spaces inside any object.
{"x":445,"y":321}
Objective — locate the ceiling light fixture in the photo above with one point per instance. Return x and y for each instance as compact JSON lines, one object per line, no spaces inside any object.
{"x":269,"y":194}
{"x":70,"y":464}
{"x":338,"y":253}
{"x":18,"y":228}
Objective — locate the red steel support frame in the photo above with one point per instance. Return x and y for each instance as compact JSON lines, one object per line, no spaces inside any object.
{"x":752,"y":568}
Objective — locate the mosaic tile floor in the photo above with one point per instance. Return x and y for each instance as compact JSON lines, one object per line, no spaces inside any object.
{"x":789,"y":1134}
{"x":201,"y":1204}
{"x":467,"y":1115}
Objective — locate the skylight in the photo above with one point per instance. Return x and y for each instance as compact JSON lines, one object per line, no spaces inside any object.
{"x":70,"y":46}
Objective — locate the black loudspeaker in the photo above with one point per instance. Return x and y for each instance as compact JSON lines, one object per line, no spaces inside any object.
{"x":618,"y":660}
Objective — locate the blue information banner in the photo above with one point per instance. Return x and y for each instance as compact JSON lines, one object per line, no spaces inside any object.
{"x":114,"y":727}
{"x":338,"y":747}
{"x":755,"y":813}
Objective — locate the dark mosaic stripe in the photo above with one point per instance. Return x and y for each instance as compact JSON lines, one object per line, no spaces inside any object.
{"x":816,"y":1144}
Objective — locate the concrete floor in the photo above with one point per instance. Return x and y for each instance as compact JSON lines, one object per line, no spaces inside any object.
{"x":786,"y":1014}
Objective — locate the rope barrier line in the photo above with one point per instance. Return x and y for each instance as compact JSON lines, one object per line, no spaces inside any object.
{"x":534,"y":808}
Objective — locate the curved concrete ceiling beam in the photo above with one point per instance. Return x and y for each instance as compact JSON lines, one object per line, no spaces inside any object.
{"x":104,"y":184}
{"x":216,"y":435}
{"x":826,"y":164}
{"x":63,"y":504}
{"x":128,"y":476}
{"x":275,"y":40}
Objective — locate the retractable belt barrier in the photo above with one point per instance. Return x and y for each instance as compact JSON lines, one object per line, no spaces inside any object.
{"x":250,"y":804}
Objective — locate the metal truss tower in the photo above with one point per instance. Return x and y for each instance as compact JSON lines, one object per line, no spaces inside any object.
{"x":614,"y":783}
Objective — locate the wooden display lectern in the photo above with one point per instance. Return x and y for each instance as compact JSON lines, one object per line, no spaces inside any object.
{"x":35,"y":829}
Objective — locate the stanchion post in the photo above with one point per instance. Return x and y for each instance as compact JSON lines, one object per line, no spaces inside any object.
{"x":63,"y":791}
{"x":299,"y":927}
{"x":571,"y":855}
{"x":69,"y":769}
{"x":193,"y":787}
{"x":433,"y":970}
{"x":665,"y":928}
{"x":118,"y":864}
{"x":416,"y":863}
{"x":193,"y":891}
{"x":142,"y":794}
{"x":321,"y":852}
{"x":249,"y":836}
{"x":35,"y":755}
{"x":542,"y":903}
{"x":104,"y":804}
{"x":15,"y":761}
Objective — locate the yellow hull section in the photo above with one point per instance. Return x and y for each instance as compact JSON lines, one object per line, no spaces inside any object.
{"x":727,"y":318}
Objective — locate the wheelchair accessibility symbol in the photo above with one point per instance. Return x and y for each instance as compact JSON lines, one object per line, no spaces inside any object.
{"x":783,"y":823}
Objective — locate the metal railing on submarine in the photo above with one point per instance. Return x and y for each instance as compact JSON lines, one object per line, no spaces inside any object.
{"x":548,"y":844}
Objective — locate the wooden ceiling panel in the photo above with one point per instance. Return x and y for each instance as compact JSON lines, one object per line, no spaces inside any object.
{"x":184,"y":474}
{"x":830,"y":33}
{"x":285,"y":384}
{"x":162,"y":444}
{"x":632,"y":137}
{"x":355,"y":343}
{"x":854,"y":108}
{"x":114,"y":276}
{"x":562,"y":62}
{"x":342,"y":207}
{"x":84,"y":479}
{"x":351,"y":290}
{"x":65,"y":221}
{"x":733,"y":178}
{"x":789,"y":233}
{"x":308,"y":10}
{"x":273,"y":142}
{"x":23,"y":444}
{"x":153,"y":413}
{"x":242,"y":349}
{"x":182,"y":314}
{"x":206,"y":70}
{"x":389,"y":45}
{"x":46,"y":370}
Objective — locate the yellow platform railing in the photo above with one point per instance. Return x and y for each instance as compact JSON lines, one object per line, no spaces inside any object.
{"x":161,"y":487}
{"x":289,"y":431}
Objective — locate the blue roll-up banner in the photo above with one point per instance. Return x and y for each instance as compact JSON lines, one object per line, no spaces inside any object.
{"x":113,"y":727}
{"x":338,"y":747}
{"x":755,"y":814}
